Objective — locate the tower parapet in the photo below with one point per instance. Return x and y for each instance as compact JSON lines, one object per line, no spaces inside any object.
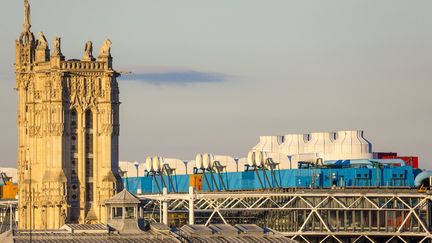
{"x":42,"y":49}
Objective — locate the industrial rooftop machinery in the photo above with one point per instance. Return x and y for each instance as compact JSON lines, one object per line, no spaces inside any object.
{"x":160,"y":172}
{"x":7,"y":189}
{"x":263,"y":173}
{"x":258,"y":161}
{"x":206,"y":164}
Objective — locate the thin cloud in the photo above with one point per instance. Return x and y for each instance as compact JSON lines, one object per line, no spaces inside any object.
{"x":176,"y":77}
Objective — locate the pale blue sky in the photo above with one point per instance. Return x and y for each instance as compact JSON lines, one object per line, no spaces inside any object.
{"x":211,"y":76}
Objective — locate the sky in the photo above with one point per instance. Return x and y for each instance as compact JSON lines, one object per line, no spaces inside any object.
{"x":212,"y":76}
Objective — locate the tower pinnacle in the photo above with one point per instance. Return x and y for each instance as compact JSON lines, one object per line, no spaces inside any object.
{"x":27,"y":24}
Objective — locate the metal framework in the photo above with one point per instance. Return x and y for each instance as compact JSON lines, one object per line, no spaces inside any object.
{"x":269,"y":165}
{"x":8,"y":215}
{"x":306,"y":216}
{"x":167,"y":171}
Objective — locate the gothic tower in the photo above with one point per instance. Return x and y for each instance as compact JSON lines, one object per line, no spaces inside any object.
{"x":68,"y":128}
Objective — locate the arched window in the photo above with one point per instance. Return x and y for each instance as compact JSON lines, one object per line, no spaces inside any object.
{"x":306,"y":137}
{"x":333,"y":136}
{"x":74,"y":155}
{"x":89,"y":155}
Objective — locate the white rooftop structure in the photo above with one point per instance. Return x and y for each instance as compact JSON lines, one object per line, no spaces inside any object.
{"x":340,"y":145}
{"x":286,"y":150}
{"x":11,"y":172}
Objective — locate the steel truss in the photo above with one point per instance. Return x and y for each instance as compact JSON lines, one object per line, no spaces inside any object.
{"x":325,"y":216}
{"x":8,"y":215}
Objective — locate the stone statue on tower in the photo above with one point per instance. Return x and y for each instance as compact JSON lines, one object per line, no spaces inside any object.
{"x":88,"y":52}
{"x":27,"y":24}
{"x":56,"y":46}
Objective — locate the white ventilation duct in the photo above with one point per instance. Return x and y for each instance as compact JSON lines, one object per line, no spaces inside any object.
{"x":259,"y":158}
{"x":156,"y":163}
{"x":149,"y":163}
{"x":208,"y":161}
{"x":251,"y":158}
{"x":211,"y":160}
{"x":199,"y":161}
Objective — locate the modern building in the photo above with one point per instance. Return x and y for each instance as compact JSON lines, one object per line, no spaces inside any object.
{"x":68,"y":128}
{"x":285,"y":150}
{"x":290,"y":149}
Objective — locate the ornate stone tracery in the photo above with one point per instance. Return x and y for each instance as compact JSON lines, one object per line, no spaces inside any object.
{"x":71,"y":149}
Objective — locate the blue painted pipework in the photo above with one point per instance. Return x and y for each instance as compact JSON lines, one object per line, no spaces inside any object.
{"x":402,"y":176}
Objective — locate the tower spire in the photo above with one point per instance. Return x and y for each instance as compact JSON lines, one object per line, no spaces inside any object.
{"x":27,"y":24}
{"x":26,"y":42}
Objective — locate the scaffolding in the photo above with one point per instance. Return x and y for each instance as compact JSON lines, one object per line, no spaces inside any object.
{"x":361,"y":215}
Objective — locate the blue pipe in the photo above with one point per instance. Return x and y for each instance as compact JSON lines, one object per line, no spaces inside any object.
{"x":370,"y":162}
{"x":421,"y":177}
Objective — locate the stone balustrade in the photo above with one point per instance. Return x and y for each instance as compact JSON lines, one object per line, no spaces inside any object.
{"x":83,"y":65}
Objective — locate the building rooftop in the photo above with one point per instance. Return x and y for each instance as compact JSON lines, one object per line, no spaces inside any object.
{"x":188,"y":233}
{"x":86,"y":228}
{"x":228,"y":233}
{"x":123,"y":197}
{"x":92,"y":238}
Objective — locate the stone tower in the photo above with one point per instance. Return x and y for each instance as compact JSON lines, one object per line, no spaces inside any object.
{"x":68,"y":128}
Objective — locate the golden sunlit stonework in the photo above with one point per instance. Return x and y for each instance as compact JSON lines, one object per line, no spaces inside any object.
{"x":68,"y":128}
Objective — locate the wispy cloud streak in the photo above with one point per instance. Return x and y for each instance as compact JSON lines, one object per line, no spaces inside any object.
{"x":177,"y":77}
